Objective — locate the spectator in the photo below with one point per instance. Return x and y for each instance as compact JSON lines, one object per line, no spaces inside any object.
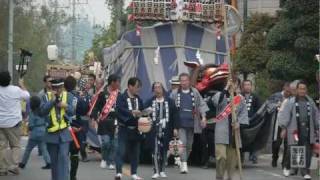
{"x":10,"y":121}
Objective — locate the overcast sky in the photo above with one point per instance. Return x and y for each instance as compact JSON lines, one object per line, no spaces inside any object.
{"x":96,"y":10}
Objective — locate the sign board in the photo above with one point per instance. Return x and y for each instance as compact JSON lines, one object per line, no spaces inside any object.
{"x":207,"y":11}
{"x":298,"y":156}
{"x":58,"y":73}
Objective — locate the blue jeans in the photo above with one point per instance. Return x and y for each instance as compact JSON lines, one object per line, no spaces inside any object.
{"x":108,"y":148}
{"x":128,"y":141}
{"x":42,"y":147}
{"x":59,"y":156}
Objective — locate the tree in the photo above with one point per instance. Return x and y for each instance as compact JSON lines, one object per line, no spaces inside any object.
{"x":33,"y":29}
{"x":119,"y":25}
{"x":294,"y":41}
{"x":281,"y":48}
{"x":253,"y":54}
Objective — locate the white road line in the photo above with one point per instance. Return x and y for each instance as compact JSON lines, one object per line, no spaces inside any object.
{"x":272,"y":174}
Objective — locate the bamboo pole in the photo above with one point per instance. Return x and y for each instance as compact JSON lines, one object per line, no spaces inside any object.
{"x":236,"y":132}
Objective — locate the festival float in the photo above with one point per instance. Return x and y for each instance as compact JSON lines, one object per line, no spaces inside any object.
{"x":187,"y":36}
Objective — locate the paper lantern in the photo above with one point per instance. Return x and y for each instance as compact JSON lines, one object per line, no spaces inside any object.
{"x":52,"y":51}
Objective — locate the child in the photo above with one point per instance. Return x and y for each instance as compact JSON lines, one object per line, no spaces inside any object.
{"x":37,"y":131}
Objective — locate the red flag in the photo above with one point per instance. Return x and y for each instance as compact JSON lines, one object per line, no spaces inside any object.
{"x":74,"y":138}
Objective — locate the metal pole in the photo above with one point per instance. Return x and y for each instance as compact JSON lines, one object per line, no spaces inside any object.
{"x":10,"y":37}
{"x":74,"y":30}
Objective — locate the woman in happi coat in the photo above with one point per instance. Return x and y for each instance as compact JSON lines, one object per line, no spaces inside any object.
{"x":163,"y":121}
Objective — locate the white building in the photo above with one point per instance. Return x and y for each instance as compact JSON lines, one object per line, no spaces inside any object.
{"x":261,"y":6}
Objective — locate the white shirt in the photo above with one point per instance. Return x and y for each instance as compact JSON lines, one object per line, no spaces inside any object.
{"x":10,"y":105}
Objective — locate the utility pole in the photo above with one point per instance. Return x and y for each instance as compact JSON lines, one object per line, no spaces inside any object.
{"x":74,"y":55}
{"x":245,"y":10}
{"x":234,"y":3}
{"x":10,"y":36}
{"x":73,"y":31}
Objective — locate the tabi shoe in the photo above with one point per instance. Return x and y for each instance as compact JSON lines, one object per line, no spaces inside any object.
{"x":286,"y":172}
{"x":103,"y":164}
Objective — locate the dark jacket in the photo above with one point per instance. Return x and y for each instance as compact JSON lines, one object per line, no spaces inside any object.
{"x":106,"y":126}
{"x":81,"y":108}
{"x":123,"y":114}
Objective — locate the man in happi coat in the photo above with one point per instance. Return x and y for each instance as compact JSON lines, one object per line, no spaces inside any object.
{"x":253,"y":104}
{"x":226,"y":158}
{"x":105,"y":115}
{"x":128,"y":110}
{"x":192,"y":116}
{"x":299,"y":119}
{"x":278,"y":98}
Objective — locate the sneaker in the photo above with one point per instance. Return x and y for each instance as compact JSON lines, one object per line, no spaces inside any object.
{"x":14,"y":171}
{"x":184,"y":168}
{"x":286,"y":172}
{"x":103,"y":164}
{"x":47,"y":166}
{"x":181,"y":168}
{"x":111,"y":167}
{"x":163,"y":175}
{"x":118,"y":176}
{"x":135,"y":177}
{"x":307,"y":176}
{"x":155,"y":176}
{"x":21,"y":165}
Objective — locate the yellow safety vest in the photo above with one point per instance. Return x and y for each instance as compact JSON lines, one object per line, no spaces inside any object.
{"x":55,"y":124}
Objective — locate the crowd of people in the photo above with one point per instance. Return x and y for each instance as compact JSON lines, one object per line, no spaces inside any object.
{"x":63,"y":112}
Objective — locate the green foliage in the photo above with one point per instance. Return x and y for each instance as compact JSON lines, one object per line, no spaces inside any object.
{"x":281,"y":48}
{"x":294,"y":41}
{"x":33,"y":30}
{"x":119,"y":25}
{"x":252,"y":55}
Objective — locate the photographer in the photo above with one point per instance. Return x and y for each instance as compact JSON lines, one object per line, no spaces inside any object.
{"x":10,"y":121}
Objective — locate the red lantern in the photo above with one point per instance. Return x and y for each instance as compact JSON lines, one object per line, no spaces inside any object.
{"x":138,"y":30}
{"x":198,"y":7}
{"x":131,"y":17}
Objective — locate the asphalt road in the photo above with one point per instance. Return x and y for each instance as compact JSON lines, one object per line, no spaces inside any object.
{"x":91,"y":171}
